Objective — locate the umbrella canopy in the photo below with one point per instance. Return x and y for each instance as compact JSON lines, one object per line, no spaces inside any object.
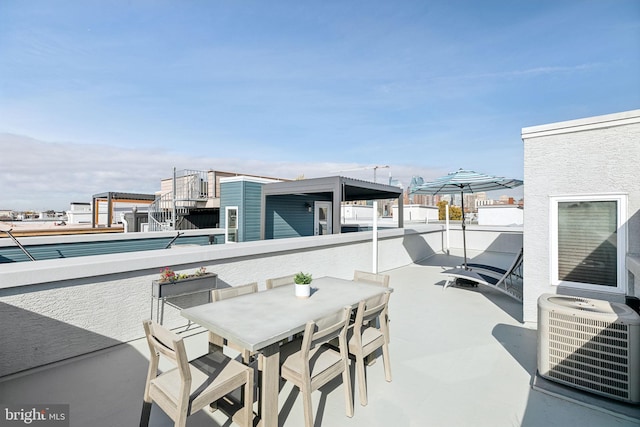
{"x":465,"y":181}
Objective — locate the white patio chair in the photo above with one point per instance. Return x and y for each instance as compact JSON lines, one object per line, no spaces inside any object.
{"x":364,"y":338}
{"x":225,"y":293}
{"x":190,"y":386}
{"x":280,"y":281}
{"x":366,"y":277}
{"x":315,"y":364}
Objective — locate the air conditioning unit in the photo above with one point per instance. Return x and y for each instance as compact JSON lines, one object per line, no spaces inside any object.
{"x":590,"y":344}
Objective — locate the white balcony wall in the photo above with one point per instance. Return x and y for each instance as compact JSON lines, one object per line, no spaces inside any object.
{"x":56,"y":309}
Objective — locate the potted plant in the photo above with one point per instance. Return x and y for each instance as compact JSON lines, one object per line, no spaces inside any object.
{"x":171,"y":284}
{"x":303,"y":284}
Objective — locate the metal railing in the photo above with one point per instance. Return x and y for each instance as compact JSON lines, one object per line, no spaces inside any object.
{"x":189,"y":188}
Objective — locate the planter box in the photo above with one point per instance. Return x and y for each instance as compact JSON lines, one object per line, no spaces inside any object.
{"x":192,"y":285}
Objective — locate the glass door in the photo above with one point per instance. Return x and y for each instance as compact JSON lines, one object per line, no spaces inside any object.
{"x":231,"y":224}
{"x":322,"y":219}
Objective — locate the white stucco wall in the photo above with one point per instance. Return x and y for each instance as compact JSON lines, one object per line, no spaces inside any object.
{"x":500,"y":215}
{"x":596,"y":155}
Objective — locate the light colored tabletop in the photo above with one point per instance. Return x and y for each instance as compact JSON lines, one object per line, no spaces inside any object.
{"x":260,"y":319}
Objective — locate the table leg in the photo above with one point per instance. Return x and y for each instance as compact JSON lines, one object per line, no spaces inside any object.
{"x":270,"y":385}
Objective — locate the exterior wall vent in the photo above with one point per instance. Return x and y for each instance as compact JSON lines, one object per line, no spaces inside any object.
{"x":590,"y":344}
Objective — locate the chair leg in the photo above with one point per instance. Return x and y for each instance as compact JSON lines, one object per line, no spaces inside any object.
{"x":348,"y":396}
{"x":182,"y":412}
{"x":146,"y":414}
{"x":181,"y":421}
{"x":306,"y":403}
{"x":248,"y":400}
{"x":387,"y":362}
{"x":362,"y":381}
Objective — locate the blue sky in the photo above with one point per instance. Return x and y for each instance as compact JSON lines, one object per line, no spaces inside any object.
{"x":102,"y":96}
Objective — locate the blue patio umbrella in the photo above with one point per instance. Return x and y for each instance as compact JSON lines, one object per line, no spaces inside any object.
{"x":465,"y":181}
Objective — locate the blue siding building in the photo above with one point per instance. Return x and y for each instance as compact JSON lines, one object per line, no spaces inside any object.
{"x":256,"y":208}
{"x":242,"y":195}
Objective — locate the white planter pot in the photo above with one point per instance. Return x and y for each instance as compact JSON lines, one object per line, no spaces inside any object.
{"x":303,"y":291}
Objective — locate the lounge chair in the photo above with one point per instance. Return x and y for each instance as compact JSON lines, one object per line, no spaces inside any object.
{"x":507,"y":281}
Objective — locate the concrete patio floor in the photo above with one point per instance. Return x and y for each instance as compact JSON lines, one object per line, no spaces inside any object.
{"x":460,"y":357}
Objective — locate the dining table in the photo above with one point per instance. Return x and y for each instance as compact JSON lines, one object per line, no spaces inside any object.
{"x":260,"y":321}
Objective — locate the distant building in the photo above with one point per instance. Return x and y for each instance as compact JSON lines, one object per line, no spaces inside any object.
{"x":191,"y":200}
{"x":108,"y":208}
{"x":500,"y":215}
{"x":79,"y":213}
{"x":6,"y":215}
{"x":418,"y":213}
{"x":257,"y":208}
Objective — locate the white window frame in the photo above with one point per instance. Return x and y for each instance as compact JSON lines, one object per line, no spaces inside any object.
{"x":226,"y":223}
{"x":622,"y":216}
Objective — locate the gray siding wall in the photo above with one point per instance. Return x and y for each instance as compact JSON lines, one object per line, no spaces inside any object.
{"x":251,"y":211}
{"x":287,"y":216}
{"x":591,"y":156}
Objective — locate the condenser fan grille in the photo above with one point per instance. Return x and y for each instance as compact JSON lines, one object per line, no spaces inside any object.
{"x":589,"y":353}
{"x":594,"y":349}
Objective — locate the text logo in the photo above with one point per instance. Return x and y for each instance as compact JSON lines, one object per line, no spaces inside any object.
{"x":38,"y":415}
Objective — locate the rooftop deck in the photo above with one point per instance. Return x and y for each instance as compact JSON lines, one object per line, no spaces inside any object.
{"x":460,"y":357}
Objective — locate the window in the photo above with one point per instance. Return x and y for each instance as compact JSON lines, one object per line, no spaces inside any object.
{"x":231,"y":224}
{"x":588,"y":242}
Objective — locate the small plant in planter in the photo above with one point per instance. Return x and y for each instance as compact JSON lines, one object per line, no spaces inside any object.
{"x":168,"y":275}
{"x":303,"y":278}
{"x":303,"y":284}
{"x":171,"y":283}
{"x":201,"y":271}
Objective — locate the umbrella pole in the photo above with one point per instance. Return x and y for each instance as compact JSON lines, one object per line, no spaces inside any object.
{"x":464,"y":237}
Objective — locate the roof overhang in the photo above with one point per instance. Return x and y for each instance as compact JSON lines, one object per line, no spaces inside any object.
{"x":350,"y":188}
{"x":134,"y":197}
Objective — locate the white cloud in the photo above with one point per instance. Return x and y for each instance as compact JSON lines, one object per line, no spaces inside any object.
{"x":39,"y":175}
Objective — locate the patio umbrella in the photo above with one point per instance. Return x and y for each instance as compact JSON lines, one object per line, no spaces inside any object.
{"x":465,"y":181}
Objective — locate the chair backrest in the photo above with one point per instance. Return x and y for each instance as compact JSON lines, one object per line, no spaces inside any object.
{"x":166,"y":343}
{"x":280,"y":281}
{"x":377,"y":279}
{"x":233,"y":291}
{"x":325,"y":329}
{"x":370,"y":309}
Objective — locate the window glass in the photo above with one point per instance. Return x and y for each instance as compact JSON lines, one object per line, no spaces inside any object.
{"x":588,"y":242}
{"x":231,"y":234}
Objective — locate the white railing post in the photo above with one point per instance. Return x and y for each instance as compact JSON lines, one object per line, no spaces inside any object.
{"x":446,"y":221}
{"x":174,"y":199}
{"x":375,"y":237}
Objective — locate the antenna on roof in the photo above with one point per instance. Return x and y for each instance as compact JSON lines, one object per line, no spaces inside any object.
{"x":375,"y":169}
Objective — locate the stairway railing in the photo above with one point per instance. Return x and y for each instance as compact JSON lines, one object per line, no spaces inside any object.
{"x":189,"y":188}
